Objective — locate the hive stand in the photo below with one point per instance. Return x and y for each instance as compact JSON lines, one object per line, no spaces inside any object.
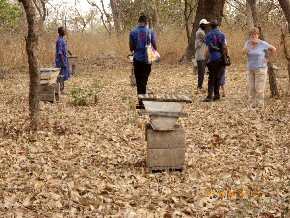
{"x":165,"y":139}
{"x":49,"y":87}
{"x":73,"y":63}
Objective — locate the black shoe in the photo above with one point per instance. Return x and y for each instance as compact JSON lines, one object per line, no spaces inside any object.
{"x":216,"y":98}
{"x":208,"y":99}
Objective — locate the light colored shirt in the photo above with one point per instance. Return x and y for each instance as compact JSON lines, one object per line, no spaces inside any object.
{"x":200,"y":46}
{"x":256,"y":56}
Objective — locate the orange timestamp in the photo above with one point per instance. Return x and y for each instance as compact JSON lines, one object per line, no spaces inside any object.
{"x":231,"y":194}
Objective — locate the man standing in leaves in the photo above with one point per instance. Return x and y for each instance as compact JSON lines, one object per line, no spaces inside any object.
{"x":139,"y":38}
{"x":61,"y":59}
{"x":215,"y":42}
{"x":200,"y":48}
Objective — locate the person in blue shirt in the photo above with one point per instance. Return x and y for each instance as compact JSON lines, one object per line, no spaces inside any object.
{"x":139,"y":38}
{"x":258,"y":53}
{"x":61,"y":58}
{"x":215,"y":42}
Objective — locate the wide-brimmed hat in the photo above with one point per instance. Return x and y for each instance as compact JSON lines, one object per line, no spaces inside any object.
{"x":203,"y":21}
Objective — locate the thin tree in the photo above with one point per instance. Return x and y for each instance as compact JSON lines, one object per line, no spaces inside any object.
{"x":285,"y":5}
{"x":187,"y":13}
{"x":271,"y":72}
{"x":35,"y":15}
{"x":105,"y":16}
{"x":208,"y":9}
{"x":116,"y":17}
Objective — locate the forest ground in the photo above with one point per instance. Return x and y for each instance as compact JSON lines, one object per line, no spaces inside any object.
{"x":89,"y":161}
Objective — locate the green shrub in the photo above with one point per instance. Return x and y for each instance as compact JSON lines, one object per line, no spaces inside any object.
{"x":85,"y":96}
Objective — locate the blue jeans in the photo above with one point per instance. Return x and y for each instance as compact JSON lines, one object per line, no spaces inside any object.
{"x":200,"y":70}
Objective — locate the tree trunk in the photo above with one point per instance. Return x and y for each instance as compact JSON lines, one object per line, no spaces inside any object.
{"x":285,"y":5}
{"x":186,"y":19}
{"x":32,"y":52}
{"x":271,"y":72}
{"x":206,"y":9}
{"x":250,"y":23}
{"x":116,"y":18}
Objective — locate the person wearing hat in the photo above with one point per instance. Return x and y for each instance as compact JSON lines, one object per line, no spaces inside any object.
{"x":215,"y":42}
{"x":200,"y":48}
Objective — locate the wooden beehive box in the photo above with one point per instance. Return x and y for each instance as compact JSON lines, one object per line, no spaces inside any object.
{"x":48,"y":75}
{"x":165,"y":139}
{"x":165,"y":149}
{"x":49,"y":88}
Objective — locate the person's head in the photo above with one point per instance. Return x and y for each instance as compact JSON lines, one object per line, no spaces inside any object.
{"x":255,"y":33}
{"x":143,"y":20}
{"x":214,"y":24}
{"x":61,"y":31}
{"x":203,"y":24}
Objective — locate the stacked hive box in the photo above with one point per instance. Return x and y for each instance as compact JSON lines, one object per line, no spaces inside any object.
{"x":49,"y":87}
{"x":165,"y":140}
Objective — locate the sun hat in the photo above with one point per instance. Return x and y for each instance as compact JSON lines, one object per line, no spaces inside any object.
{"x":203,"y":21}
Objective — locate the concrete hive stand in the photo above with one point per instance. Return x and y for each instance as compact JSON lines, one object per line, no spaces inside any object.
{"x":73,"y":63}
{"x":165,"y":139}
{"x":49,"y":87}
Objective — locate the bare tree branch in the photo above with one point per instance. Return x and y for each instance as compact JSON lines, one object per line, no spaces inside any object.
{"x":239,"y":9}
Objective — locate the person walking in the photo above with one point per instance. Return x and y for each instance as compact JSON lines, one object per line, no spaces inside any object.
{"x":215,"y":42}
{"x":200,"y":48}
{"x":61,"y":58}
{"x":259,"y":53}
{"x":139,"y":38}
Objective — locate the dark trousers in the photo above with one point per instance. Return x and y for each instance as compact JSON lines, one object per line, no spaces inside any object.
{"x":200,"y":70}
{"x":60,"y":80}
{"x":142,"y":72}
{"x":216,"y":69}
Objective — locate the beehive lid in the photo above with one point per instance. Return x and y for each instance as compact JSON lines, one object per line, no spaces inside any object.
{"x":49,"y":73}
{"x":165,"y":98}
{"x":73,"y":57}
{"x":49,"y":69}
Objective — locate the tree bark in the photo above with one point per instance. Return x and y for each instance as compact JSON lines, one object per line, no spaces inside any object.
{"x":186,"y":19}
{"x":271,"y":71}
{"x":116,"y":19}
{"x":285,"y":5}
{"x":32,"y":52}
{"x":206,"y":9}
{"x":250,"y":23}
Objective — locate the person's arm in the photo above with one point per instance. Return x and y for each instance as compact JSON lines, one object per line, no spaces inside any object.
{"x":271,"y":52}
{"x":206,"y":55}
{"x":153,"y":40}
{"x":62,"y":60}
{"x":131,"y":43}
{"x":247,"y":47}
{"x":60,"y":52}
{"x":200,"y":38}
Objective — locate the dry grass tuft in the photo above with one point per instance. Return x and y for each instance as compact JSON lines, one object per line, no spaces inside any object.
{"x":171,"y":45}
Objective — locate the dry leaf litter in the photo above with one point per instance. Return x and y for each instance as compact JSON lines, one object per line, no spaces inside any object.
{"x":90,"y":161}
